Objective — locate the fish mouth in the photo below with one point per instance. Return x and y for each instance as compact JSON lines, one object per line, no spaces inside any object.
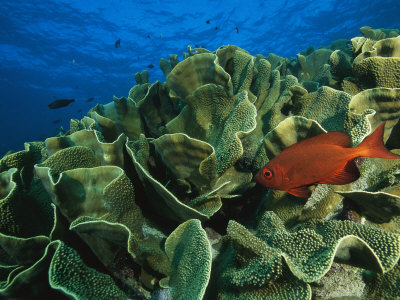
{"x":256,"y":177}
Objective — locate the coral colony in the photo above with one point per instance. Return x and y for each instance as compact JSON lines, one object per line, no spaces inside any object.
{"x":153,"y":196}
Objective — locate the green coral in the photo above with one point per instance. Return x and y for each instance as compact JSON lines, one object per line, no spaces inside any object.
{"x":378,"y":65}
{"x":309,"y":251}
{"x":156,"y":108}
{"x":114,"y":205}
{"x":19,"y":208}
{"x":15,"y":160}
{"x":340,"y":64}
{"x":71,"y":158}
{"x":197,"y":71}
{"x":106,"y":153}
{"x":188,"y":158}
{"x":68,"y":273}
{"x":378,"y":34}
{"x":255,"y":261}
{"x":212,"y":113}
{"x":189,"y":251}
{"x":163,"y":200}
{"x":249,"y":269}
{"x":376,"y":192}
{"x":120,"y":116}
{"x":383,"y":101}
{"x":327,"y":106}
{"x":336,"y":283}
{"x":27,"y":222}
{"x":100,"y":205}
{"x":383,"y":286}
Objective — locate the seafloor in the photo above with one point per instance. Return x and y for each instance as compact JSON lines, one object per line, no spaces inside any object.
{"x":151,"y":196}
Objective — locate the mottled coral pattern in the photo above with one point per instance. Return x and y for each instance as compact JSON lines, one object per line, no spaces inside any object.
{"x":151,"y":195}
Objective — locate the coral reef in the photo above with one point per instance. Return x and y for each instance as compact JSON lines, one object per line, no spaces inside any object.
{"x":151,"y":195}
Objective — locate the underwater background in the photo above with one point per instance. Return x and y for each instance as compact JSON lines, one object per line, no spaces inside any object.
{"x":136,"y":130}
{"x":66,"y":49}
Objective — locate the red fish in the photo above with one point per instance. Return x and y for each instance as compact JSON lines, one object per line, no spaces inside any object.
{"x":326,"y":158}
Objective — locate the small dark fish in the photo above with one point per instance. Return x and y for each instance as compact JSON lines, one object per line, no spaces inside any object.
{"x":150,"y":66}
{"x":90,"y":99}
{"x":196,"y":46}
{"x":208,"y":21}
{"x":118,"y":43}
{"x":216,"y":27}
{"x":60,"y":103}
{"x":79,"y":110}
{"x":237,"y":29}
{"x":148,"y":36}
{"x":56,"y":121}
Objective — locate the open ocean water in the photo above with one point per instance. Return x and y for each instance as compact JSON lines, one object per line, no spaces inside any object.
{"x":67,"y":49}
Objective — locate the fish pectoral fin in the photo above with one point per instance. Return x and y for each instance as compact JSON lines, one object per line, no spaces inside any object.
{"x":345,"y":175}
{"x":301,"y":191}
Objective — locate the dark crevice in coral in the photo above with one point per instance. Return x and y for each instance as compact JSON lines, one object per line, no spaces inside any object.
{"x":72,"y":239}
{"x":149,"y":211}
{"x":242,"y":209}
{"x":394,"y":142}
{"x":350,"y":211}
{"x":287,"y":109}
{"x":127,"y":274}
{"x":157,"y":170}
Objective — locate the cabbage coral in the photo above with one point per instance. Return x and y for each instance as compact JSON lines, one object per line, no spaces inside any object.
{"x":152,"y":194}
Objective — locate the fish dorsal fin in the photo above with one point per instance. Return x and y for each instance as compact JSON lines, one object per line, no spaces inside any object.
{"x":339,"y":138}
{"x":345,"y":175}
{"x":301,"y":191}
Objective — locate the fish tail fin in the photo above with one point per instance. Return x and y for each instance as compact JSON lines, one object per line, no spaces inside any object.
{"x":372,"y":145}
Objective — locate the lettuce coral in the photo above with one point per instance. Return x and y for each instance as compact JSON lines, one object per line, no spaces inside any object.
{"x":151,"y":195}
{"x":189,"y":252}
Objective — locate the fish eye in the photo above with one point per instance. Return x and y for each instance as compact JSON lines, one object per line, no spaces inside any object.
{"x":267,"y":174}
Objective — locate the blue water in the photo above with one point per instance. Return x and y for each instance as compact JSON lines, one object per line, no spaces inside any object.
{"x":65,"y":49}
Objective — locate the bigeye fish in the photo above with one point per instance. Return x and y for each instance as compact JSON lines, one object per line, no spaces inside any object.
{"x":327,"y":158}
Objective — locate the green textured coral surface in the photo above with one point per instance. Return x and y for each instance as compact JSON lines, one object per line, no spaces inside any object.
{"x":152,"y":195}
{"x":190,"y":253}
{"x":249,"y":269}
{"x":68,"y":273}
{"x":309,"y":251}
